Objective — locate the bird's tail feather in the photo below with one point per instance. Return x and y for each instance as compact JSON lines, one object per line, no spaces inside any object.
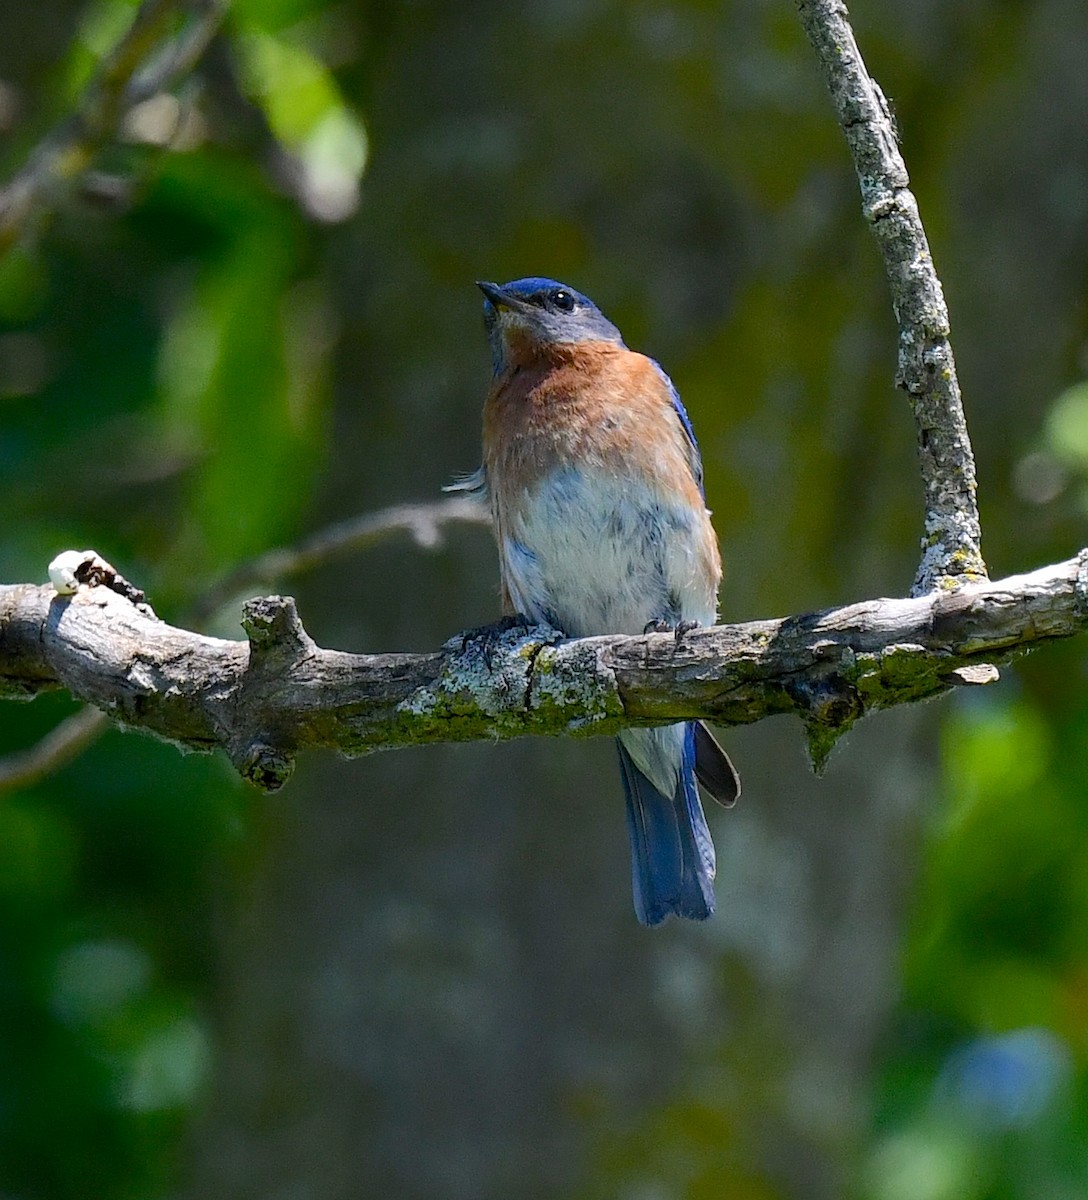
{"x":672,"y":855}
{"x":714,"y":769}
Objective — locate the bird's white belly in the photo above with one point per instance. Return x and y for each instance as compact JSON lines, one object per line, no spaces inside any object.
{"x":594,"y":554}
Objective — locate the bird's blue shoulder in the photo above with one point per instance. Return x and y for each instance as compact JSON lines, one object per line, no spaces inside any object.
{"x":685,"y":422}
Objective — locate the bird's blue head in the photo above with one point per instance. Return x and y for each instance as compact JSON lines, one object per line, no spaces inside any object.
{"x":529,"y":314}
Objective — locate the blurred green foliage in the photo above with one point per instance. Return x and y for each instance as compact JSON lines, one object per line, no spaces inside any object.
{"x":275,"y":329}
{"x":165,"y":398}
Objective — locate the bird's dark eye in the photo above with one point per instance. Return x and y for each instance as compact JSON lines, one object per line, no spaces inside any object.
{"x":563,"y":300}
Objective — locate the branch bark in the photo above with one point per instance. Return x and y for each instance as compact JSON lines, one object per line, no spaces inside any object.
{"x":424,"y":522}
{"x":264,"y":702}
{"x":951,"y":551}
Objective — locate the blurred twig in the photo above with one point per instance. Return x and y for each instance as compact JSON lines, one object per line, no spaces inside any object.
{"x":59,"y":746}
{"x":424,"y":522}
{"x":951,"y":550}
{"x":146,"y":61}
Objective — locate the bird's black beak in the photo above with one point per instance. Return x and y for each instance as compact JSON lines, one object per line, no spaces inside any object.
{"x":500,"y":298}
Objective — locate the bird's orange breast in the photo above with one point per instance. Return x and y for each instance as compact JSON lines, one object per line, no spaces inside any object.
{"x":597,"y":406}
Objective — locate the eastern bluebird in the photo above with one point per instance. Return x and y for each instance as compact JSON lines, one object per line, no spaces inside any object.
{"x":596,"y":491}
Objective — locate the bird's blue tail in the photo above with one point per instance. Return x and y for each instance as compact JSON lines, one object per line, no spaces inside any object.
{"x":672,"y":856}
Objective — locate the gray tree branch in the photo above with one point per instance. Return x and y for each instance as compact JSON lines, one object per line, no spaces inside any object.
{"x":265,"y":701}
{"x":951,"y":550}
{"x":424,"y":522}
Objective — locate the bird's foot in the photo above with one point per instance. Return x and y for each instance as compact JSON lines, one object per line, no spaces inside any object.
{"x":678,"y":629}
{"x":683,"y":628}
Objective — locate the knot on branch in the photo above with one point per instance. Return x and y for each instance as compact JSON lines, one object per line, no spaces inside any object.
{"x":260,"y":748}
{"x":879,"y":204}
{"x":265,"y":766}
{"x":829,"y":706}
{"x":275,"y":631}
{"x":828,"y":703}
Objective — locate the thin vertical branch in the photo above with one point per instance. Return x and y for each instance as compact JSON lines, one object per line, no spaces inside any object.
{"x":951,"y":552}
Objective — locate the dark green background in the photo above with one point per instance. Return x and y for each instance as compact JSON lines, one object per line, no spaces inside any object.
{"x":418,"y":975}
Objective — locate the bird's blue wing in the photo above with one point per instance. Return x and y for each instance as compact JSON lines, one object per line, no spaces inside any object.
{"x":685,"y":422}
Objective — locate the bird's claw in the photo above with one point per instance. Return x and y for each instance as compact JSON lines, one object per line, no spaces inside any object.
{"x":678,"y":629}
{"x":683,"y":628}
